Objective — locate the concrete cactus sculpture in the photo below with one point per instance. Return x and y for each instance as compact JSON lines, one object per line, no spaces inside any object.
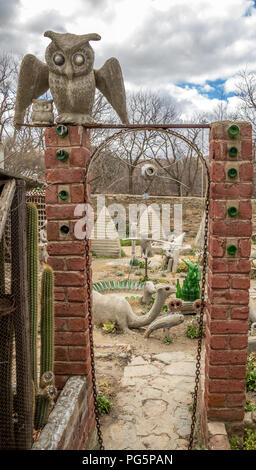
{"x":69,"y":74}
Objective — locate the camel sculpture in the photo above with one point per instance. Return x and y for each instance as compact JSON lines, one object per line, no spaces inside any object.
{"x":148,"y":290}
{"x":117,"y":310}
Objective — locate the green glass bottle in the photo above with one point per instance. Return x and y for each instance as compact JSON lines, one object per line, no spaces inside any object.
{"x":233,"y":130}
{"x":233,"y":151}
{"x":62,"y":130}
{"x":232,"y":173}
{"x":232,"y":211}
{"x":231,"y":250}
{"x":178,"y":292}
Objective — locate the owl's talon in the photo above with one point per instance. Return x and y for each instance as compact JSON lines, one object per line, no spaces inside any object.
{"x":73,"y":118}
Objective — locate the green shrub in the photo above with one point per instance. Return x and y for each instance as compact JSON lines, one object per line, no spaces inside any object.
{"x":249,"y":442}
{"x":109,"y":327}
{"x":123,"y":255}
{"x":192,"y":331}
{"x":168,"y":340}
{"x":104,"y":405}
{"x":249,"y":406}
{"x":251,"y":373}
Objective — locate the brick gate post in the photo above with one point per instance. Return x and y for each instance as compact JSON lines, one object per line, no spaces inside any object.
{"x":66,"y":158}
{"x":230,"y":229}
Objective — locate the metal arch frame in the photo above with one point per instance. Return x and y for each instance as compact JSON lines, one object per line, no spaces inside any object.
{"x":105,"y":142}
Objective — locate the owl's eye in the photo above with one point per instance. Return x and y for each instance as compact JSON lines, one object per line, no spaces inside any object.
{"x":78,"y":59}
{"x":58,"y":59}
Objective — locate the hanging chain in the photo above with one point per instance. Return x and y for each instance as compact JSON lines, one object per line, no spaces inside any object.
{"x":89,"y":303}
{"x":201,"y":318}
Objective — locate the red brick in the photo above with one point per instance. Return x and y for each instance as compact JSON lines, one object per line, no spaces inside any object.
{"x":75,"y":264}
{"x":66,"y":248}
{"x":227,"y":357}
{"x":77,"y":193}
{"x":70,"y":338}
{"x":69,"y":279}
{"x":239,"y":342}
{"x":236,"y":399}
{"x":217,"y":246}
{"x":51,"y":196}
{"x":218,"y":372}
{"x":218,"y":150}
{"x":217,"y":172}
{"x":245,"y":210}
{"x":244,"y":248}
{"x":71,"y":368}
{"x":223,"y":385}
{"x":218,"y":209}
{"x":79,"y":157}
{"x":218,"y":312}
{"x":231,"y":228}
{"x":222,"y":296}
{"x":76,"y":294}
{"x":228,"y":327}
{"x":246,"y":171}
{"x":228,"y":265}
{"x":237,"y":372}
{"x":218,"y":281}
{"x":216,"y":399}
{"x":218,"y":342}
{"x":51,"y":138}
{"x":76,"y":324}
{"x":246,"y":150}
{"x":226,"y":414}
{"x":59,"y":293}
{"x":240,"y":313}
{"x":239,"y":282}
{"x":60,"y":211}
{"x":60,"y":353}
{"x":79,"y":354}
{"x":60,"y":324}
{"x":65,"y":175}
{"x":66,"y":309}
{"x":52,"y":231}
{"x":230,"y":190}
{"x":56,"y":262}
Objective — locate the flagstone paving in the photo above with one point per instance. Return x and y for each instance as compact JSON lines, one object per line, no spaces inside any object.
{"x":152,"y":404}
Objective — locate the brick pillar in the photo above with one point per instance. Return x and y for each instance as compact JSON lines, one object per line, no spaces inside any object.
{"x":66,"y":254}
{"x":228,"y":275}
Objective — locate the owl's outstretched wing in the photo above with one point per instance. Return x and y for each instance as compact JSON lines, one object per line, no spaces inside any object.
{"x":109,"y":80}
{"x":33,"y":82}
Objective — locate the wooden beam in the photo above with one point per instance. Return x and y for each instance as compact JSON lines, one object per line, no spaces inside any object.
{"x":6,"y":202}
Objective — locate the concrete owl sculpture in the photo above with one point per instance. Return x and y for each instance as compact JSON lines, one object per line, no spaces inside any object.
{"x":72,"y":81}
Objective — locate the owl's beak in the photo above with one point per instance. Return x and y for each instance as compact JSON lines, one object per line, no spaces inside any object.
{"x":69,"y":71}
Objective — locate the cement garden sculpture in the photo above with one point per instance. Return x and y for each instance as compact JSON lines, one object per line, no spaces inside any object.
{"x":117,"y":310}
{"x":69,"y":74}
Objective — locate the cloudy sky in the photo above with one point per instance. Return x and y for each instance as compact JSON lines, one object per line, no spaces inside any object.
{"x":188,"y":49}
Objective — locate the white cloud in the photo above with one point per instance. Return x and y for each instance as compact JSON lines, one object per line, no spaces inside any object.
{"x":159,"y":43}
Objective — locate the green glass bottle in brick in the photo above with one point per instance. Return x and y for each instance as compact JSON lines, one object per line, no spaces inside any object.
{"x":178,"y":292}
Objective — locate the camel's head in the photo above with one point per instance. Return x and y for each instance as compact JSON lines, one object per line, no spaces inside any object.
{"x":165,"y":290}
{"x":150,"y":287}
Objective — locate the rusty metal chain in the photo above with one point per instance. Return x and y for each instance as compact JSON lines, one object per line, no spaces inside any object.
{"x":201,"y":318}
{"x":90,"y":319}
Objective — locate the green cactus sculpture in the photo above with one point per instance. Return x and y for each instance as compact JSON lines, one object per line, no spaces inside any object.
{"x":190,"y":290}
{"x":32,"y":245}
{"x":47,"y":391}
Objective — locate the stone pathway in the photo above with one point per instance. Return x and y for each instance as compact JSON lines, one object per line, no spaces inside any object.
{"x":153,"y":404}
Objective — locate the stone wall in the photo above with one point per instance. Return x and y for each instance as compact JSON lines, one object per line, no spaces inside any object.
{"x":192,"y":207}
{"x":71,"y":424}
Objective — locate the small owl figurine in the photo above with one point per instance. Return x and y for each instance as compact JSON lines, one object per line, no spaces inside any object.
{"x":42,"y":112}
{"x":69,"y":74}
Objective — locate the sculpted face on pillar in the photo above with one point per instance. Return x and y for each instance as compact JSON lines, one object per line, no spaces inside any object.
{"x":69,"y":74}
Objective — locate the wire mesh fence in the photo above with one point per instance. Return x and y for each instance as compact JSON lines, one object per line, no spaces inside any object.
{"x":16,"y":402}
